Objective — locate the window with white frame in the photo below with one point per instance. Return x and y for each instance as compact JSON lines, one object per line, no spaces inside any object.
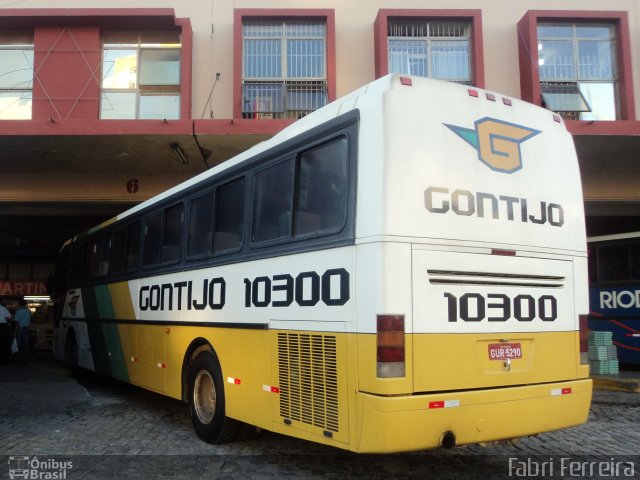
{"x":140,"y":76}
{"x":430,"y":48}
{"x":284,"y":68}
{"x":577,"y":68}
{"x":16,"y":76}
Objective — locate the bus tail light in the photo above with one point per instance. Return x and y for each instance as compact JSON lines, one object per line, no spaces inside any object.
{"x":390,"y":346}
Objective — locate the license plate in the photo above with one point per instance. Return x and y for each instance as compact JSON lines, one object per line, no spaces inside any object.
{"x":504,"y":351}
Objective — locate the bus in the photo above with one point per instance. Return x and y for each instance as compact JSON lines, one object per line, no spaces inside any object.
{"x":402,"y":269}
{"x":614,"y":293}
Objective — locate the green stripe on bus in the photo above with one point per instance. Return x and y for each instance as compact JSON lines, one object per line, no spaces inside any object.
{"x":106,"y":348}
{"x":110,"y":334}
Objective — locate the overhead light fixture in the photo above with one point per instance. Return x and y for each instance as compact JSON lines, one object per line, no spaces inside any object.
{"x":179,"y":153}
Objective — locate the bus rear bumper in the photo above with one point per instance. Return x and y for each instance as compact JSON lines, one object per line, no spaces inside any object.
{"x":418,"y":422}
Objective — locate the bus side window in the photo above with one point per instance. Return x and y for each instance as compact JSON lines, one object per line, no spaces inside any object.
{"x":163,"y":236}
{"x":273,"y":198}
{"x":200,"y":225}
{"x":152,"y":239}
{"x":79,"y":259}
{"x":132,"y":260}
{"x":229,"y":217}
{"x":99,"y":252}
{"x":321,"y":200}
{"x":172,"y":234}
{"x":119,"y":251}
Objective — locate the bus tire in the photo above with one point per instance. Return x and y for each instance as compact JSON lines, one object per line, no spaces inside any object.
{"x":206,"y":401}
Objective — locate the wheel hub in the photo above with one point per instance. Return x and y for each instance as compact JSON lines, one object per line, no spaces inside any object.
{"x":204,"y":396}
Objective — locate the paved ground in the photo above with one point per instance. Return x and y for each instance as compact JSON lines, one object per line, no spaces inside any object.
{"x":107,"y":429}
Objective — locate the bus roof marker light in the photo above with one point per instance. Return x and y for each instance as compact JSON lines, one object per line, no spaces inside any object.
{"x":556,"y":118}
{"x":506,"y":101}
{"x":406,"y":81}
{"x":491,"y":97}
{"x":472,"y":92}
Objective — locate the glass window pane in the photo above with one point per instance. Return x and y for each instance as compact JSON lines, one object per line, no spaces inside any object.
{"x":408,"y":57}
{"x":200,"y":225}
{"x":595,"y":60}
{"x":159,"y":38}
{"x":555,"y":31}
{"x":262,"y":59}
{"x":305,"y":58}
{"x":133,"y":246}
{"x":262,"y":97}
{"x":160,"y":67}
{"x":262,"y":29}
{"x":450,"y":60}
{"x":229,"y":216}
{"x":603,"y":32}
{"x":321,"y":203}
{"x":152,"y":239}
{"x":273,"y":195}
{"x":556,"y":61}
{"x":121,"y":39}
{"x":601,"y":99}
{"x":172,"y":236}
{"x":119,"y":251}
{"x":306,"y":96}
{"x":564,"y":98}
{"x":15,"y":105}
{"x":99,"y":251}
{"x":120,"y":105}
{"x":119,"y":69}
{"x":159,"y":106}
{"x":16,"y":69}
{"x":302,"y":29}
{"x":448,"y":29}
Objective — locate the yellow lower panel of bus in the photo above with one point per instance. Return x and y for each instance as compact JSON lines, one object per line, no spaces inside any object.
{"x":440,"y":362}
{"x":397,"y":424}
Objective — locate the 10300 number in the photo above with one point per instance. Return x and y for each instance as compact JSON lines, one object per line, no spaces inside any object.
{"x":498,"y":307}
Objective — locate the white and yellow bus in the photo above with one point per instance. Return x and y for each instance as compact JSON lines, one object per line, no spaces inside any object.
{"x":402,"y":269}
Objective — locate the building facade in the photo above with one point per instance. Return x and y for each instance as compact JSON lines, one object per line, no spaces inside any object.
{"x":101,"y":108}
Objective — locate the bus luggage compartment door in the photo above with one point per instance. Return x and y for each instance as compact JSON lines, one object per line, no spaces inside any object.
{"x":483,"y":320}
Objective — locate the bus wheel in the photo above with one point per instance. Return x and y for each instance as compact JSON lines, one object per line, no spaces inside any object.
{"x":206,"y":401}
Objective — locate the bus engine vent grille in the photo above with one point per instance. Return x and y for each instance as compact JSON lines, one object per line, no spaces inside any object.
{"x":456,"y":277}
{"x":308,"y":380}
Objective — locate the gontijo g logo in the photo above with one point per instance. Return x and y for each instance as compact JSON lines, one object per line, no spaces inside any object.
{"x":497,"y":142}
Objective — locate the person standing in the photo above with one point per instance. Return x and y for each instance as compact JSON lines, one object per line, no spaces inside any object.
{"x":6,"y":333}
{"x":23,"y":317}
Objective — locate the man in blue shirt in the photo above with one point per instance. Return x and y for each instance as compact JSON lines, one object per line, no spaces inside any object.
{"x":23,"y":317}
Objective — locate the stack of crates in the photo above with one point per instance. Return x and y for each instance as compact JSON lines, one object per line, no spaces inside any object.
{"x":603,"y":357}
